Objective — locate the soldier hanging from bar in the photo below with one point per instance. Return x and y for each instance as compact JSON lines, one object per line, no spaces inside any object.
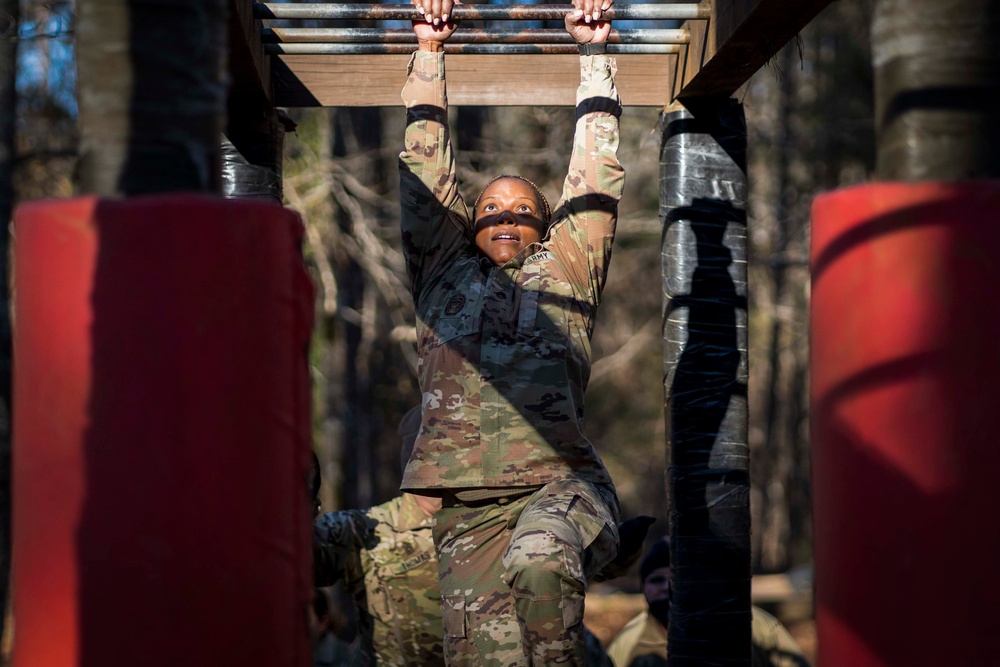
{"x":506,"y":296}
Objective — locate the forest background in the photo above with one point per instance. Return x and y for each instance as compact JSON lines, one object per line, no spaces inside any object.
{"x":810,"y":129}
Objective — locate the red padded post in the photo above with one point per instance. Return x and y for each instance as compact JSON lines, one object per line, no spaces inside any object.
{"x":162,"y":434}
{"x":905,"y":423}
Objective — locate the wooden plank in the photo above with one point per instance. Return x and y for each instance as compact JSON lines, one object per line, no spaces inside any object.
{"x":489,"y":80}
{"x":740,"y":38}
{"x":249,"y":66}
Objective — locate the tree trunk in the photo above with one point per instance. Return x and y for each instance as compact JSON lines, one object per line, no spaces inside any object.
{"x":358,"y":133}
{"x":9,"y":16}
{"x":152,"y":95}
{"x":774,"y":527}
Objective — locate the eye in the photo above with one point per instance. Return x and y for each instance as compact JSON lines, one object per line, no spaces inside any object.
{"x":489,"y":207}
{"x":524,"y":208}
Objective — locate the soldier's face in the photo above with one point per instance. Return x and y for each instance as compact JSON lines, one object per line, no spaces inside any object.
{"x":656,"y":585}
{"x":508,"y":219}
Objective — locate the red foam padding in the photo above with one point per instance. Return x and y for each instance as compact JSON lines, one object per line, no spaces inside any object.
{"x":905,"y":423}
{"x":161,"y":439}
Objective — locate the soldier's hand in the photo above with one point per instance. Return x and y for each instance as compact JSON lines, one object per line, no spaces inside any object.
{"x":365,"y":528}
{"x":591,"y":10}
{"x":436,"y":27}
{"x":631,"y":535}
{"x":579,"y":25}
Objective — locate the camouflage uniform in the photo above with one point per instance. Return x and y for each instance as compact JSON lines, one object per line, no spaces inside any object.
{"x":529,"y":511}
{"x":643,"y":643}
{"x":385,"y":556}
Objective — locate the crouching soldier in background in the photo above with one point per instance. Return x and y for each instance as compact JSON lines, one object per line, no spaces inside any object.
{"x":385,"y":557}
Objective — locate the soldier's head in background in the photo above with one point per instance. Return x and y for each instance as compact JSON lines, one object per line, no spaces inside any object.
{"x":655,"y":574}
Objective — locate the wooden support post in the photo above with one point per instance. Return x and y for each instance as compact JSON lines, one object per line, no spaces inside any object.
{"x":703,"y":198}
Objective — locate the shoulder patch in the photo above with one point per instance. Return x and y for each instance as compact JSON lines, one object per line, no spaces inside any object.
{"x":455,"y":305}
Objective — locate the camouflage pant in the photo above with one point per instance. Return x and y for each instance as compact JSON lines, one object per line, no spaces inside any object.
{"x":514,"y":573}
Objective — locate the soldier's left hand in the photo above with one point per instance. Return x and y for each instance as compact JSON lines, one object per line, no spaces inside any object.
{"x":631,"y":535}
{"x":579,"y":25}
{"x":592,"y":10}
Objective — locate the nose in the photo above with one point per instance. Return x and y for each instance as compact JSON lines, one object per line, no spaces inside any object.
{"x":506,"y":217}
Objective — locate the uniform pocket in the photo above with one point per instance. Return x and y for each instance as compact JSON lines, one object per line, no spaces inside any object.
{"x":596,"y":523}
{"x":379,"y":605}
{"x":453,"y":616}
{"x":572,"y":606}
{"x":451,"y":310}
{"x":548,"y":306}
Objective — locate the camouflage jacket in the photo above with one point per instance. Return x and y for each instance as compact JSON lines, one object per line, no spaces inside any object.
{"x":505,"y":351}
{"x":385,"y":556}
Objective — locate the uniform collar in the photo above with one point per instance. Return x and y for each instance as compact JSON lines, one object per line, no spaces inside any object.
{"x":515,"y":262}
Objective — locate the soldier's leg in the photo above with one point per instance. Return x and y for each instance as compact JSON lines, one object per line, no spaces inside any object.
{"x":567,"y":532}
{"x":480,"y":626}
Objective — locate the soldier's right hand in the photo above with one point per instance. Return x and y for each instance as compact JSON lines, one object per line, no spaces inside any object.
{"x":436,"y":26}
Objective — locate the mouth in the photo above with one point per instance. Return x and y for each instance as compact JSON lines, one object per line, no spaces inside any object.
{"x":506,"y":237}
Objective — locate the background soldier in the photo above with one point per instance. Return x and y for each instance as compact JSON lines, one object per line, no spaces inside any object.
{"x":385,"y":557}
{"x":643,"y":641}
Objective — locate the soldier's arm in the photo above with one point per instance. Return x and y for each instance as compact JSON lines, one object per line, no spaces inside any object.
{"x":588,"y":208}
{"x":337,"y":539}
{"x":434,"y":216}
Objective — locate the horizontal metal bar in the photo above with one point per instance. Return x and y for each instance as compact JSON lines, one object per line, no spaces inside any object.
{"x":354,"y":11}
{"x":463,"y":36}
{"x":493,"y":49}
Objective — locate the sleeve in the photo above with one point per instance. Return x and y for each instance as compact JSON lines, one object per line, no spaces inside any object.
{"x":772,"y":643}
{"x":584,"y":220}
{"x":435,"y":220}
{"x":338,"y":537}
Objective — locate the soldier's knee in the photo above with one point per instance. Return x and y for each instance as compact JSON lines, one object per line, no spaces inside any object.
{"x":544,"y":575}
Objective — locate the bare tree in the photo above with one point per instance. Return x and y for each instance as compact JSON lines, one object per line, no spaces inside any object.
{"x":9,"y":18}
{"x":811,"y":127}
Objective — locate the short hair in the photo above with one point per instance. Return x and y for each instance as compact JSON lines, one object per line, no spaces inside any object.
{"x":546,"y":211}
{"x":658,"y":556}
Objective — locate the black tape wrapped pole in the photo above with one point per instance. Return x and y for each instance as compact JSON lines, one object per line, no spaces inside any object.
{"x":152,"y":96}
{"x":252,"y":151}
{"x":703,"y":197}
{"x":242,"y":179}
{"x":937,"y":89}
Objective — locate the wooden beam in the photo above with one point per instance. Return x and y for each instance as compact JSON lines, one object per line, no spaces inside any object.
{"x":551,"y":80}
{"x":742,"y":36}
{"x":249,"y":66}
